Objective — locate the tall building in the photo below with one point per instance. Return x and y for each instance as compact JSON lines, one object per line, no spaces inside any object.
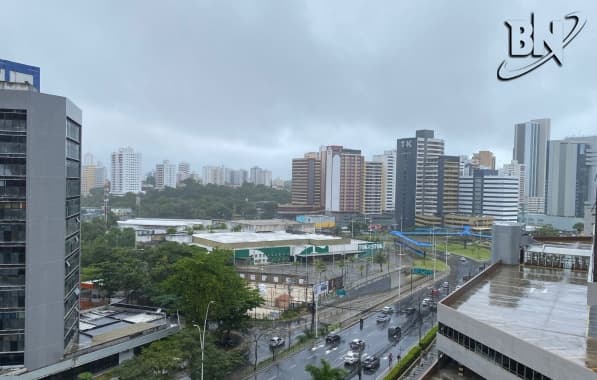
{"x":530,"y":149}
{"x":572,"y":170}
{"x":93,"y":175}
{"x":447,"y":177}
{"x":165,"y":175}
{"x":306,"y":181}
{"x":215,"y":175}
{"x":388,"y":160}
{"x":40,"y":221}
{"x":483,"y":159}
{"x":342,"y":177}
{"x":259,"y":176}
{"x":417,"y":177}
{"x":514,"y":169}
{"x":100,"y":174}
{"x":126,"y":171}
{"x":239,"y":177}
{"x":184,"y":172}
{"x":19,"y":73}
{"x":487,"y":194}
{"x":373,"y":188}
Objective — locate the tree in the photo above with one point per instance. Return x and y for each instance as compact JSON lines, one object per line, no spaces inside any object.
{"x":546,"y":230}
{"x":381,"y":259}
{"x":195,"y":281}
{"x":170,"y":230}
{"x":579,"y":227}
{"x":325,"y":372}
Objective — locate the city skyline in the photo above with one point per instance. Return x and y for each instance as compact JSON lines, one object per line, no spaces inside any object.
{"x":270,"y":107}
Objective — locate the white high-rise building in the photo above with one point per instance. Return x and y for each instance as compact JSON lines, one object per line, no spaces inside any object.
{"x":214,"y":175}
{"x":530,"y":149}
{"x":487,"y":194}
{"x":184,"y":172}
{"x":388,"y":160}
{"x":260,"y":176}
{"x":165,"y":175}
{"x":126,"y":171}
{"x":373,"y":188}
{"x":514,"y":169}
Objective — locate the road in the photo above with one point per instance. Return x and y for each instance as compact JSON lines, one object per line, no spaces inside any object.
{"x":374,"y":334}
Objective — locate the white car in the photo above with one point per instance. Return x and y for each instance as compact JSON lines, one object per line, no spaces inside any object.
{"x":276,"y":341}
{"x":462,"y":259}
{"x":352,"y":357}
{"x":387,"y":310}
{"x":426,"y":302}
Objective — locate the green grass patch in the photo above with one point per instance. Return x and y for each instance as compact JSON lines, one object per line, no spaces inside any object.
{"x":440,"y":265}
{"x":473,"y":251}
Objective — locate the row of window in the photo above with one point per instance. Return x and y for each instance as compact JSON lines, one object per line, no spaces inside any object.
{"x":71,"y":263}
{"x":72,"y":225}
{"x":73,"y":188}
{"x":70,"y":325}
{"x":71,"y":281}
{"x":12,"y":276}
{"x":12,"y":188}
{"x":8,"y":359}
{"x":73,"y":130}
{"x":507,"y":363}
{"x":73,"y":150}
{"x":12,"y":298}
{"x":13,"y":120}
{"x":12,"y":232}
{"x":12,"y":255}
{"x":13,"y":170}
{"x":12,"y":211}
{"x":12,"y":342}
{"x":71,"y":300}
{"x":71,"y":244}
{"x":73,"y":169}
{"x":73,"y":206}
{"x":12,"y":320}
{"x":12,"y":147}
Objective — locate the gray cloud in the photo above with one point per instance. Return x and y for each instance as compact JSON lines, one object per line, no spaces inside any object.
{"x":257,"y":83}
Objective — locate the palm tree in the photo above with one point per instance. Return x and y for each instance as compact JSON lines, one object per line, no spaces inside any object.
{"x":325,"y":372}
{"x":380,"y":259}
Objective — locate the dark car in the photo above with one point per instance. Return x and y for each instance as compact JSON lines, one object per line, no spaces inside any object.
{"x":371,"y":362}
{"x":382,"y":318}
{"x":357,"y":345}
{"x":332,"y":339}
{"x":410,"y":310}
{"x":395,"y":333}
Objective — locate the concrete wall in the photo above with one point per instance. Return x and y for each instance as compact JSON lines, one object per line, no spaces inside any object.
{"x":522,"y":351}
{"x":506,"y":243}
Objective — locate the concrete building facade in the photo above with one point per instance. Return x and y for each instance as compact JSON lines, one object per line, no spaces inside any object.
{"x":165,"y":175}
{"x":487,"y":194}
{"x":530,"y":149}
{"x":342,"y":177}
{"x":388,"y":160}
{"x":373,"y":188}
{"x":126,"y":171}
{"x":40,"y":166}
{"x":306,"y":181}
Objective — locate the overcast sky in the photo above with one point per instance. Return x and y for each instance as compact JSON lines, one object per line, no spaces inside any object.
{"x":257,"y":83}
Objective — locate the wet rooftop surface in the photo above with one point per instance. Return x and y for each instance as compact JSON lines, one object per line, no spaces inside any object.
{"x":545,"y":307}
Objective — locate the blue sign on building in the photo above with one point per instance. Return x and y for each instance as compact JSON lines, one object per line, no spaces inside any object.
{"x":18,"y":72}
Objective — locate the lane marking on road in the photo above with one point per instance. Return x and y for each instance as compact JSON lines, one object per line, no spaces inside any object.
{"x":292,"y":366}
{"x":272,"y":378}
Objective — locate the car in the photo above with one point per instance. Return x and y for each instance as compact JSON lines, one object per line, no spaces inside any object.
{"x":446,"y":284}
{"x":276,"y":341}
{"x":410,"y":310}
{"x":332,"y":339}
{"x":382,"y":318}
{"x":352,"y":357}
{"x":426,"y":302}
{"x":387,"y":310}
{"x":395,"y":333}
{"x":462,"y":259}
{"x":371,"y":362}
{"x":458,"y":287}
{"x":357,"y":345}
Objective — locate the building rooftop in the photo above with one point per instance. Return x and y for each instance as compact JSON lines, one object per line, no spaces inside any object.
{"x":147,"y":222}
{"x":265,"y":222}
{"x":544,"y":307}
{"x":257,"y":237}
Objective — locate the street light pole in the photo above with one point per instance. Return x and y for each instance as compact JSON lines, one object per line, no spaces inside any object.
{"x":202,"y":335}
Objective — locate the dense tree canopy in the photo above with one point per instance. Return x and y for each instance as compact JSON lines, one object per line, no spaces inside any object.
{"x":196,"y":201}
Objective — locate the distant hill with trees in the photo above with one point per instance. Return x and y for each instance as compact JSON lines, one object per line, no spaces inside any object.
{"x":195,"y":201}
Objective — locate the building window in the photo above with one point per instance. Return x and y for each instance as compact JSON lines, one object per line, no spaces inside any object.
{"x":73,"y":150}
{"x":12,"y":256}
{"x":12,"y":298}
{"x":13,"y":120}
{"x":73,"y":130}
{"x":12,"y":276}
{"x":73,"y":188}
{"x":73,"y":169}
{"x":12,"y":232}
{"x":73,"y":206}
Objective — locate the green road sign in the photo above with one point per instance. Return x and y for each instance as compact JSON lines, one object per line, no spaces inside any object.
{"x":423,"y":271}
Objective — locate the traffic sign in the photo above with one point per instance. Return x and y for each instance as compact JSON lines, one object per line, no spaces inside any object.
{"x":423,"y":271}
